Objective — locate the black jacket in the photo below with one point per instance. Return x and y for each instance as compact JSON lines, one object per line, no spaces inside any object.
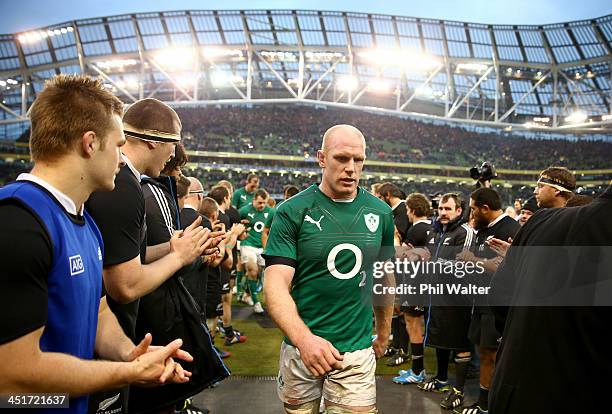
{"x":554,"y":359}
{"x":444,"y":242}
{"x":161,"y":208}
{"x":171,"y":312}
{"x":448,"y":317}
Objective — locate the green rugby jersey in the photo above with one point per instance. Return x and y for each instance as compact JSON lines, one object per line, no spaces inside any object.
{"x":268,"y":222}
{"x":241,"y":198}
{"x":257,"y":220}
{"x":332,"y":246}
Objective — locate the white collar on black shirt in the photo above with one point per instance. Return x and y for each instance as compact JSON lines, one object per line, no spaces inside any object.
{"x":130,"y":165}
{"x":189,"y":206}
{"x":494,"y":222}
{"x":63,"y":199}
{"x":426,"y":221}
{"x":398,"y":203}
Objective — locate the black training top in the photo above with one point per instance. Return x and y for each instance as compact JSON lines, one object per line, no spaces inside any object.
{"x":120,"y":216}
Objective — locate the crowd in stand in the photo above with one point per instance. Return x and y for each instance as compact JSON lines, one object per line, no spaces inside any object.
{"x":296,"y":130}
{"x":275,"y":183}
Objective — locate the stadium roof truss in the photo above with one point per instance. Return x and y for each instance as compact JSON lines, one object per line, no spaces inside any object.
{"x":551,"y":78}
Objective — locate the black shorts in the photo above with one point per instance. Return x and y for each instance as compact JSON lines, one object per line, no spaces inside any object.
{"x":415,"y":311}
{"x":448,"y":327}
{"x":482,"y":329}
{"x":213,"y":294}
{"x":225,"y":281}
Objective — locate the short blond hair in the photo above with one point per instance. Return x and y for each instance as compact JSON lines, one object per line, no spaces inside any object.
{"x":67,"y":107}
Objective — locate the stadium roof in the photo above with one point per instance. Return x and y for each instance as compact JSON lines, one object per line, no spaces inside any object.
{"x":553,"y":77}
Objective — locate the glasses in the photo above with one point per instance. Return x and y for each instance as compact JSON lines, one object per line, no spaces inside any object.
{"x":196,"y":192}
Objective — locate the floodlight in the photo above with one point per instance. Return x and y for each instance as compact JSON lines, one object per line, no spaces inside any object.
{"x":219,"y":79}
{"x":184,"y":80}
{"x":472,"y":67}
{"x":576,"y":117}
{"x":379,"y":85}
{"x":116,"y":63}
{"x":214,"y":52}
{"x":175,"y":57}
{"x":425,"y":91}
{"x":408,"y":59}
{"x":347,"y":83}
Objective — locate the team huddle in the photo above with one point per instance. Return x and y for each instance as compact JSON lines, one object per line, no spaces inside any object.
{"x":120,"y":271}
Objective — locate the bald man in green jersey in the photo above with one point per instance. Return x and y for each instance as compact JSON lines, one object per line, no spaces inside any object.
{"x":318,"y":283}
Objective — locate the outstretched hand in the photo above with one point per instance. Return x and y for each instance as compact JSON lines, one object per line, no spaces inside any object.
{"x":155,"y":365}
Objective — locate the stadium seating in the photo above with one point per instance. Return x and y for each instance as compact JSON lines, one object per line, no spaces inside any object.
{"x":297,"y":130}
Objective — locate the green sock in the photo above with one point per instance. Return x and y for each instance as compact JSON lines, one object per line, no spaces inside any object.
{"x":253,"y":288}
{"x":260,"y":282}
{"x":239,"y":276}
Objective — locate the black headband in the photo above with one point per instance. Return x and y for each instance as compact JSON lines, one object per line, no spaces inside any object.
{"x":555,"y":183}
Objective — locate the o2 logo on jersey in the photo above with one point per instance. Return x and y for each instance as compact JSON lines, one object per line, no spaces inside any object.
{"x":331,"y":261}
{"x":76,"y":265}
{"x":258,"y":226}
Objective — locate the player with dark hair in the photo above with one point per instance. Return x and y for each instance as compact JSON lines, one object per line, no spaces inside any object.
{"x":391,"y":194}
{"x":240,"y":198}
{"x":255,"y":215}
{"x":490,"y":222}
{"x":447,"y":326}
{"x":243,"y":196}
{"x":418,"y":211}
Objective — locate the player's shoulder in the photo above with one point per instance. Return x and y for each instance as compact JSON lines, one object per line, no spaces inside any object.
{"x":465,"y":227}
{"x":370,"y":200}
{"x":244,"y":209}
{"x":238,"y":193}
{"x":420,"y":227}
{"x":510,"y":224}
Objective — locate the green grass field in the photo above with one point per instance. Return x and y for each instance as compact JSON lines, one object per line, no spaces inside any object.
{"x":258,"y":356}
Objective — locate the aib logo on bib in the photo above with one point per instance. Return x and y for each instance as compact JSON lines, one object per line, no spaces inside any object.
{"x":76,"y":265}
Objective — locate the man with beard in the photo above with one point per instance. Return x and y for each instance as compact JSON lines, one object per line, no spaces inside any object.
{"x":448,"y":326}
{"x":490,"y":222}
